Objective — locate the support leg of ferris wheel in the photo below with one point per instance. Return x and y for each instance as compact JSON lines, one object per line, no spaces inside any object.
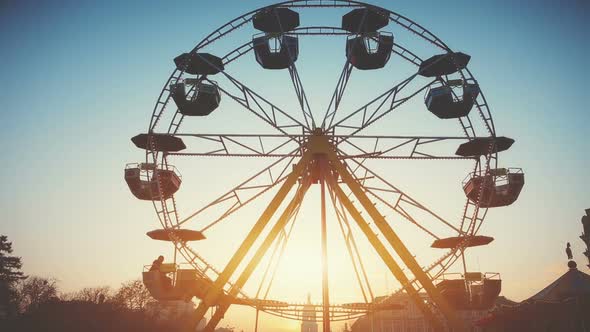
{"x":217,"y":288}
{"x":396,"y":243}
{"x":384,"y":254}
{"x":325,"y":288}
{"x":260,"y":252}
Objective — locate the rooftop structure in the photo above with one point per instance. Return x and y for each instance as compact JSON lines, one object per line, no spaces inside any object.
{"x":411,"y":319}
{"x":561,"y":306}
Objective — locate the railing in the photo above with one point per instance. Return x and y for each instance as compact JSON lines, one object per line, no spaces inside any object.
{"x":457,"y":275}
{"x":369,"y":39}
{"x":149,"y":167}
{"x":450,"y":84}
{"x":274,"y":40}
{"x":177,"y":266}
{"x":500,"y":175}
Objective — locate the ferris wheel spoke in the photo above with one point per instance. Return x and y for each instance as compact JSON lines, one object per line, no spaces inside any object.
{"x":395,"y":242}
{"x":353,"y":252}
{"x":281,"y":246}
{"x":384,"y":104}
{"x":383,"y":252}
{"x":249,"y":241}
{"x":400,"y":147}
{"x":397,"y":200}
{"x":377,"y":108}
{"x":242,"y":145}
{"x":293,"y":73}
{"x":290,"y":211}
{"x":261,"y":107}
{"x":301,"y":96}
{"x":236,"y":198}
{"x":338,"y":94}
{"x":296,"y":80}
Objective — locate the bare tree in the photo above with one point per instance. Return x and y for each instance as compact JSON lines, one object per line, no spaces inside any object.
{"x":96,"y":295}
{"x":133,"y":295}
{"x":35,"y":291}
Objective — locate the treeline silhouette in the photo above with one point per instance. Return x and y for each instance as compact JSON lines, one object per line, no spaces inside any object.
{"x":31,"y":303}
{"x":85,"y":316}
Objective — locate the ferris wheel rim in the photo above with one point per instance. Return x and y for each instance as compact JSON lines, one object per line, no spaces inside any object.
{"x":168,"y":220}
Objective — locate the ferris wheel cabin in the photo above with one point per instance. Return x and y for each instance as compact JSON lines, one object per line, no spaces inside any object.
{"x":147,"y":181}
{"x":276,"y":52}
{"x":500,"y":187}
{"x":367,"y":48}
{"x":199,"y":63}
{"x":369,"y":51}
{"x":204,"y":100}
{"x":445,"y":104}
{"x":472,"y":291}
{"x":186,"y":283}
{"x":444,"y":64}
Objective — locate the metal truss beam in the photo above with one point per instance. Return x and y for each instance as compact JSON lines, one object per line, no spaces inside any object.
{"x":403,"y":202}
{"x":384,"y":254}
{"x":261,"y":107}
{"x":232,"y":200}
{"x":260,"y":252}
{"x":396,"y":244}
{"x":337,"y":95}
{"x":377,"y":108}
{"x":301,"y":96}
{"x":399,"y":147}
{"x":236,"y":145}
{"x":353,"y":252}
{"x":217,"y":288}
{"x":351,"y":147}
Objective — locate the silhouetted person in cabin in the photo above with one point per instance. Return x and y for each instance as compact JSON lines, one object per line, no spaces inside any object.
{"x":568,"y":251}
{"x":156,"y":266}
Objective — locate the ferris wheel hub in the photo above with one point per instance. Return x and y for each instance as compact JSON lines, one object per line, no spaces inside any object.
{"x":319,"y":144}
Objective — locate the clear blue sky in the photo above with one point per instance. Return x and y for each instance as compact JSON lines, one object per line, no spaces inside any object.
{"x":79,"y":78}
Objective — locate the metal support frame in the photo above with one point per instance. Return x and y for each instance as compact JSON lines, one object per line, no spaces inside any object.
{"x":268,"y":113}
{"x":350,"y":147}
{"x":301,"y":97}
{"x":319,"y":150}
{"x":260,"y":252}
{"x":384,"y":254}
{"x":352,"y":249}
{"x":324,"y":233}
{"x":217,"y":288}
{"x":396,"y":243}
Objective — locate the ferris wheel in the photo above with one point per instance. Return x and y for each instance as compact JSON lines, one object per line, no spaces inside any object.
{"x":340,"y":149}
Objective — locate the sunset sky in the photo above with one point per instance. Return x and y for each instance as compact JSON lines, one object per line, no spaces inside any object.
{"x":80,"y":78}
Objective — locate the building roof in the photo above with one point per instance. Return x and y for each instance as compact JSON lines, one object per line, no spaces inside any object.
{"x":572,"y":284}
{"x":563,"y":302}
